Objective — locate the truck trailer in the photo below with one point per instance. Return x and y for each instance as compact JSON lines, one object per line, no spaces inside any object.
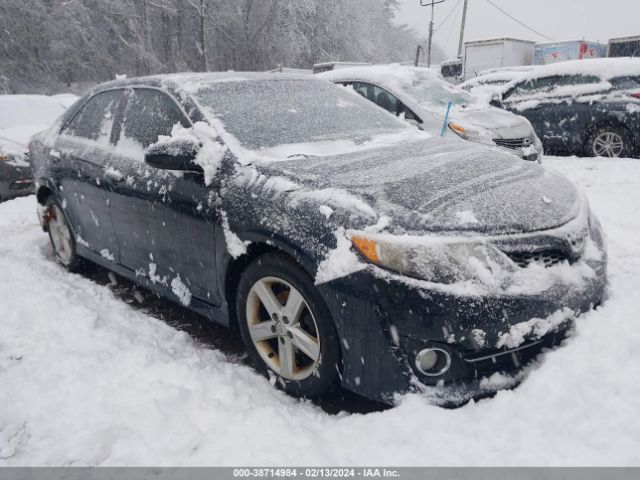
{"x":624,"y":47}
{"x":546,"y":53}
{"x":495,"y":53}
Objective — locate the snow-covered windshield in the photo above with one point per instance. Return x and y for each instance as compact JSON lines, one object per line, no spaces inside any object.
{"x":431,"y":91}
{"x":264,"y":114}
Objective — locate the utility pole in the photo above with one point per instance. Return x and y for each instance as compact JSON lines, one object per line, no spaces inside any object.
{"x":432,"y":5}
{"x":464,"y":19}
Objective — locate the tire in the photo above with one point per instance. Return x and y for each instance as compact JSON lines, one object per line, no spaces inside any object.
{"x":291,"y":338}
{"x":61,"y":236}
{"x":610,"y":141}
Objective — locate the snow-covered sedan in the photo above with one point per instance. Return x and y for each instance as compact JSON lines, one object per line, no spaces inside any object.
{"x":20,"y":117}
{"x":421,"y":96}
{"x":581,"y":107}
{"x":344,"y":245}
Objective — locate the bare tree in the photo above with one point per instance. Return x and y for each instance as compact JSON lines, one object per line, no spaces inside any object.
{"x":53,"y":45}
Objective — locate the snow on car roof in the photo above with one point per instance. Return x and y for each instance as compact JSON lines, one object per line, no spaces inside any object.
{"x":517,"y":68}
{"x":603,"y":68}
{"x":190,"y":81}
{"x":503,"y":76}
{"x":380,"y":73}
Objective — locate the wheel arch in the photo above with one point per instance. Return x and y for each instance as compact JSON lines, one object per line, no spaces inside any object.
{"x":236,"y":266}
{"x":608,"y":121}
{"x":43,"y":193}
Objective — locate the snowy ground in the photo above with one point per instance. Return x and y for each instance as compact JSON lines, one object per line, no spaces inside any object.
{"x":87,"y":378}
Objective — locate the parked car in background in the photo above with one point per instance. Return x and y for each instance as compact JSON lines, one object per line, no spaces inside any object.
{"x":344,"y":245}
{"x":486,"y":86}
{"x":581,"y":107}
{"x":421,"y":96}
{"x":20,"y":117}
{"x":624,"y":47}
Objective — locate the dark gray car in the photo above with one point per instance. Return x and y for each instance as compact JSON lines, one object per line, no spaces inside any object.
{"x":344,"y":246}
{"x":15,"y":172}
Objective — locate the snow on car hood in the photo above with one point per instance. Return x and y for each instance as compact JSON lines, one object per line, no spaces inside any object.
{"x":502,"y":123}
{"x":491,"y":118}
{"x":441,"y":186}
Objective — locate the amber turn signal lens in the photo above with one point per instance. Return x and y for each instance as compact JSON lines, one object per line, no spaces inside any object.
{"x":367,"y":247}
{"x":456,"y":128}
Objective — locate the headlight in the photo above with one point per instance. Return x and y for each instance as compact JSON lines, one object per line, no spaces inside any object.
{"x":436,"y":260}
{"x":472,"y":134}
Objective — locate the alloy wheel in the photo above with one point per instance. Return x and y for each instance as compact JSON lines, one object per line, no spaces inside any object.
{"x":60,"y":235}
{"x":282,"y":328}
{"x":608,"y":144}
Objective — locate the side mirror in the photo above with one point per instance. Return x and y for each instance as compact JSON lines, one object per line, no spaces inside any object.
{"x":415,"y":123}
{"x":173,"y":154}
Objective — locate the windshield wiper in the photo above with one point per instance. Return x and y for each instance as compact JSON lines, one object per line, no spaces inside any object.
{"x":301,"y":155}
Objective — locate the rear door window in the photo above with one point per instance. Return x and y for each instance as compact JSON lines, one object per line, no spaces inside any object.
{"x":96,"y":118}
{"x":149,"y":114}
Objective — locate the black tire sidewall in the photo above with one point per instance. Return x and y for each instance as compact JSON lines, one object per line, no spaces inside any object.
{"x":75,"y":261}
{"x":626,"y":138}
{"x":329,"y":366}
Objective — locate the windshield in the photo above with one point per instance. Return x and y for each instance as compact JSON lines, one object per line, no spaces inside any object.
{"x":434,"y":92}
{"x":267,"y":113}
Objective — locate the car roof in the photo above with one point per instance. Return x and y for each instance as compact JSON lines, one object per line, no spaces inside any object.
{"x":603,"y":68}
{"x":190,"y":81}
{"x":378,"y":73}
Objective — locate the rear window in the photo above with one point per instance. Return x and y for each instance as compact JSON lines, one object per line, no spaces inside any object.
{"x":625,"y":83}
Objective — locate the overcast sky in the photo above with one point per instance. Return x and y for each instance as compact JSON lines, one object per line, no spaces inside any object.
{"x":596,"y":20}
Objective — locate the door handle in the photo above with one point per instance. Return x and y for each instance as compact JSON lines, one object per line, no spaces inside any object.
{"x":55,"y":155}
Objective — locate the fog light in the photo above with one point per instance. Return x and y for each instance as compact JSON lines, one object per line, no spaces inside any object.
{"x":433,"y":362}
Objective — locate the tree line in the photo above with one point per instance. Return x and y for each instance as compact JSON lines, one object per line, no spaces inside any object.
{"x":55,"y":45}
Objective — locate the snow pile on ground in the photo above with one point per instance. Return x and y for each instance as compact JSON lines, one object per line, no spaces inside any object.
{"x":87,"y":379}
{"x":21,"y":116}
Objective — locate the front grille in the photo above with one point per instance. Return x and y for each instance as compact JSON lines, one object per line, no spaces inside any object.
{"x":514,"y":143}
{"x":547,"y":258}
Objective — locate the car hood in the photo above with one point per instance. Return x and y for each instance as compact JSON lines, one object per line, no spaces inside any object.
{"x":437,"y":185}
{"x":502,"y":123}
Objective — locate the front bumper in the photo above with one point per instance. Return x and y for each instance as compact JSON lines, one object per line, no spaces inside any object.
{"x":384,"y":320}
{"x":15,"y":181}
{"x":531,"y":153}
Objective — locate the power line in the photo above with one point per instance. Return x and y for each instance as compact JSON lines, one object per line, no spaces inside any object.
{"x":518,"y":21}
{"x":447,"y":16}
{"x":451,"y":28}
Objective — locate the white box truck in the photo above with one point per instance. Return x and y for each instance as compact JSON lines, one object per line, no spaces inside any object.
{"x":495,"y":53}
{"x":624,"y":47}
